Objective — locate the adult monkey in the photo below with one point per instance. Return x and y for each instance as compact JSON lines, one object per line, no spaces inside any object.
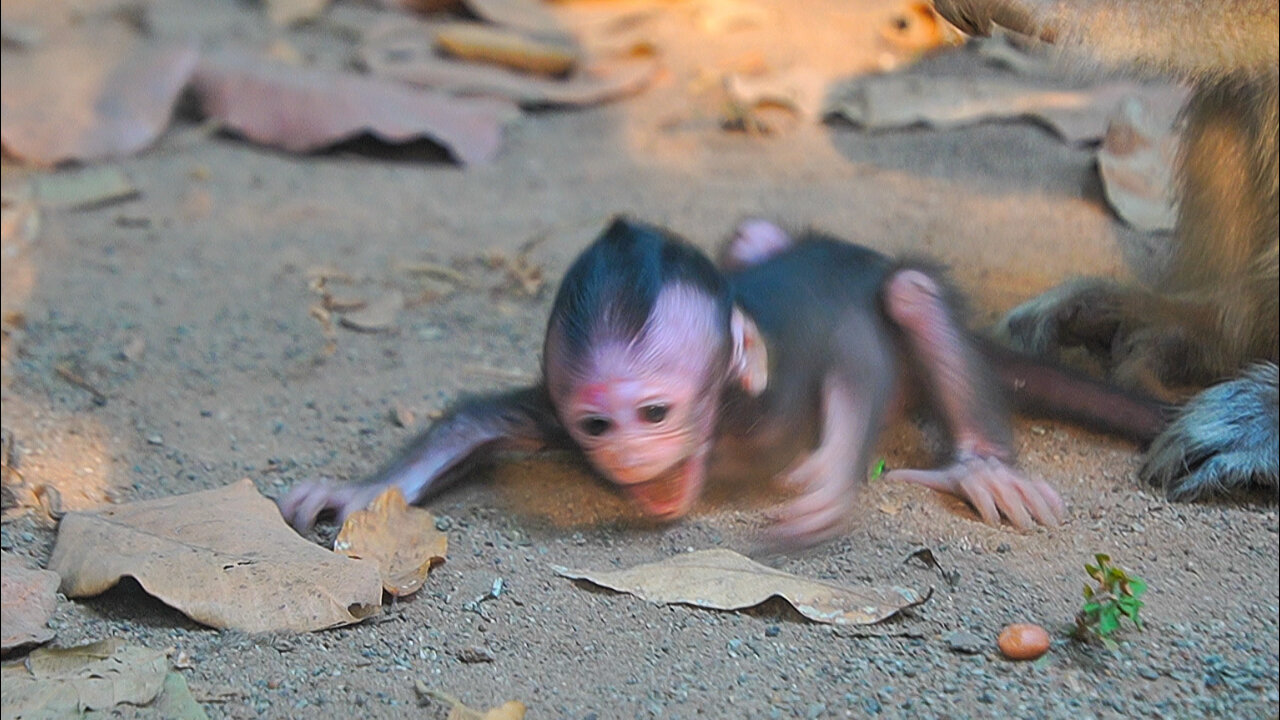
{"x":1215,"y":315}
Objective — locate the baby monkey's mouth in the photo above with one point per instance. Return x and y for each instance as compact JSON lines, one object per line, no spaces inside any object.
{"x":671,"y":493}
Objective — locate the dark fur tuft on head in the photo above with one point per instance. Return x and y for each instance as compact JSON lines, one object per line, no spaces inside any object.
{"x":613,"y":285}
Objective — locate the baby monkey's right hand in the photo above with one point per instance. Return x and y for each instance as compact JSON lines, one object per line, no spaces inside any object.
{"x":307,"y":501}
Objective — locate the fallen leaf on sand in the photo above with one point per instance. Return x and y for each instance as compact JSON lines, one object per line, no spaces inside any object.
{"x":27,"y":601}
{"x":508,"y":48}
{"x":1136,"y":161}
{"x":222,"y":557}
{"x":724,"y":580}
{"x":409,"y":56}
{"x":893,"y":101}
{"x":306,"y":109}
{"x":98,"y":95}
{"x":376,"y":315}
{"x":401,"y":539}
{"x":65,"y":683}
{"x":436,"y":704}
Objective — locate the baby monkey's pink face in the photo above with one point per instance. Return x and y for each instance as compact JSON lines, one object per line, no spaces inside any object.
{"x":643,"y":410}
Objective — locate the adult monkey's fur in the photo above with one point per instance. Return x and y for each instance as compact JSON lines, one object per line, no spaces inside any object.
{"x":1214,"y":317}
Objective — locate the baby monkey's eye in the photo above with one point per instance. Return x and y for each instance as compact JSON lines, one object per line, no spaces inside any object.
{"x":595,"y":426}
{"x":654,"y":413}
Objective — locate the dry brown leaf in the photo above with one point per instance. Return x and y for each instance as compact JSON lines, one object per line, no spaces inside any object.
{"x":892,"y":101}
{"x":65,"y":683}
{"x":724,"y":580}
{"x":377,"y":315}
{"x":401,"y":539}
{"x":409,"y":56}
{"x":27,"y":601}
{"x":508,"y":48}
{"x":96,"y":95}
{"x":222,"y":557}
{"x":306,"y":109}
{"x":1136,"y":162}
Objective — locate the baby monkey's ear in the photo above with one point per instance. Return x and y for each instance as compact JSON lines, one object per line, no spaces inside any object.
{"x":750,"y":362}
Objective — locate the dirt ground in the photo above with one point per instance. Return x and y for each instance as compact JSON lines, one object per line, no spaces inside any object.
{"x":188,"y":309}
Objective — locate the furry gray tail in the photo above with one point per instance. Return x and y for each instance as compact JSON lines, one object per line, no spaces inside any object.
{"x":1225,"y":439}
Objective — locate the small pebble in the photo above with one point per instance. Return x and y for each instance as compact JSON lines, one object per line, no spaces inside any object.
{"x":1023,"y":641}
{"x":964,"y":642}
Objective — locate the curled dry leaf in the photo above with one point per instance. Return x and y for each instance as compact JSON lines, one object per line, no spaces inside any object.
{"x":402,"y":540}
{"x":67,"y":682}
{"x":473,"y":41}
{"x":1136,"y":161}
{"x":27,"y":601}
{"x":306,"y":109}
{"x":409,"y":56}
{"x":724,"y":580}
{"x":96,"y":95}
{"x":222,"y":557}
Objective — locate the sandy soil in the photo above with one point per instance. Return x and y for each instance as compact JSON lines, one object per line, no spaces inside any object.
{"x":188,"y":308}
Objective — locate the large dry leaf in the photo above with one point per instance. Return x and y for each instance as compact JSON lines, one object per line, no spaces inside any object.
{"x":27,"y":601}
{"x":1136,"y":161}
{"x":95,"y":96}
{"x":222,"y":557}
{"x":65,"y":683}
{"x":306,"y":109}
{"x":892,"y":101}
{"x":401,"y":539}
{"x":409,"y":56}
{"x":724,"y":580}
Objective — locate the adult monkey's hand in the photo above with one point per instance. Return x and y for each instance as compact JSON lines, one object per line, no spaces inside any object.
{"x":975,"y":17}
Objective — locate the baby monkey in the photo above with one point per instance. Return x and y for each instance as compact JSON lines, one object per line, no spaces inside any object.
{"x":664,"y":370}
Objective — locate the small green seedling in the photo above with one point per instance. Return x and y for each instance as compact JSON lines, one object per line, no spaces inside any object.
{"x":877,"y":470}
{"x":1117,"y":595}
